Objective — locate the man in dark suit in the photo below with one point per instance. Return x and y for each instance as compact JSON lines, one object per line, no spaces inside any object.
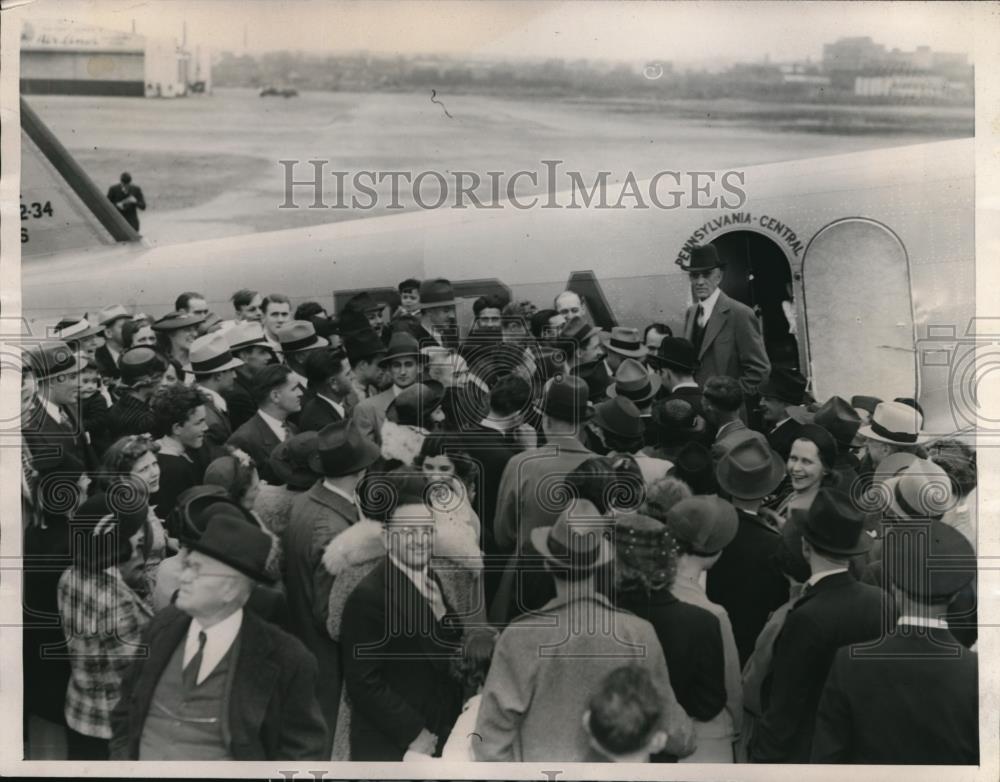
{"x":783,"y":388}
{"x":676,"y":361}
{"x":746,"y":581}
{"x":127,"y":198}
{"x":247,"y":343}
{"x":724,"y":332}
{"x":834,"y":610}
{"x":437,"y":323}
{"x":219,"y":683}
{"x":406,"y":365}
{"x":215,"y":373}
{"x":277,"y":396}
{"x":912,"y":697}
{"x":330,"y":382}
{"x":317,"y":517}
{"x":722,"y":400}
{"x":398,"y":641}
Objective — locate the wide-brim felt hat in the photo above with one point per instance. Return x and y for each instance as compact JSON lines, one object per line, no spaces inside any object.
{"x":233,"y":538}
{"x":839,"y":419}
{"x":78,"y":330}
{"x":173,"y":321}
{"x":436,"y":293}
{"x":111,"y":313}
{"x":362,"y":302}
{"x":298,"y":335}
{"x":402,"y":344}
{"x":834,"y":525}
{"x":703,"y":258}
{"x":577,"y":541}
{"x":783,"y":384}
{"x":414,"y":403}
{"x":341,"y":449}
{"x":290,"y":461}
{"x":187,"y":520}
{"x":364,"y":344}
{"x":210,"y":354}
{"x":619,"y":416}
{"x":53,"y":358}
{"x":895,"y":423}
{"x":930,"y":563}
{"x":750,"y":470}
{"x":625,"y":342}
{"x":632,"y":381}
{"x":676,"y":353}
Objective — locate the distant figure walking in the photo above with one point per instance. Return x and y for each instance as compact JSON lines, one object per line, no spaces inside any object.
{"x":127,"y":197}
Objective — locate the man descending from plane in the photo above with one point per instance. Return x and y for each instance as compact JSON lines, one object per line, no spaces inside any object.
{"x":127,"y":198}
{"x":724,"y":332}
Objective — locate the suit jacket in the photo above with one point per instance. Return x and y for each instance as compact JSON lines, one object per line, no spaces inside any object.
{"x":317,"y":413}
{"x":837,"y":611}
{"x":400,"y":684}
{"x":259,"y":440}
{"x":116,"y":193}
{"x":746,"y":582}
{"x":733,"y":434}
{"x":781,"y":438}
{"x":239,"y":398}
{"x":370,"y":414}
{"x":914,"y":703}
{"x":412,"y":326}
{"x":106,"y":363}
{"x":271,"y":711}
{"x":732,"y":344}
{"x":316,"y":518}
{"x":219,"y":428}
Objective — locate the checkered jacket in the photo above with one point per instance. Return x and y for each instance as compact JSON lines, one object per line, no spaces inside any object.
{"x":102,"y":620}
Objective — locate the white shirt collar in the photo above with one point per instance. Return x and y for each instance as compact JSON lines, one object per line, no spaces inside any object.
{"x":780,"y":423}
{"x":218,"y":638}
{"x":334,"y":404}
{"x":421,"y":579}
{"x":489,"y":423}
{"x":685,"y":384}
{"x":396,"y":390}
{"x":276,"y":426}
{"x":816,"y":577}
{"x":340,"y":492}
{"x":709,"y":304}
{"x":115,"y":354}
{"x":52,"y":409}
{"x":923,"y":621}
{"x":216,"y":397}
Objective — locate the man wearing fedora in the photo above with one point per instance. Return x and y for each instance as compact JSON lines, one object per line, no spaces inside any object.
{"x":330,"y":385}
{"x":277,"y":396}
{"x":364,"y":304}
{"x":745,"y":581}
{"x":622,"y":343}
{"x":405,"y":363}
{"x":835,"y":610}
{"x":543,"y":672}
{"x":299,"y":340}
{"x":722,"y":401}
{"x":437,"y":322}
{"x":219,"y":683}
{"x":522,"y":502}
{"x":248,"y":344}
{"x":364,"y":352}
{"x":703,"y":527}
{"x":674,"y":362}
{"x":914,"y":698}
{"x":214,"y":370}
{"x":342,"y":456}
{"x":112,"y":319}
{"x":141,"y":370}
{"x":895,"y":428}
{"x":784,"y":388}
{"x":725,"y":333}
{"x":634,"y":382}
{"x":582,"y":344}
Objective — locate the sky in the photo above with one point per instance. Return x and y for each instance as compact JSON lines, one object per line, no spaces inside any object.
{"x":674,"y":31}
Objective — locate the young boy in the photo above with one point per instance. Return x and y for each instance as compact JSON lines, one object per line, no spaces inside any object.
{"x":94,"y":405}
{"x":623,"y":720}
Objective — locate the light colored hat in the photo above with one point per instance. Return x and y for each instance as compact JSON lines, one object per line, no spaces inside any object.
{"x":299,"y":335}
{"x":246,"y":334}
{"x":210,"y":354}
{"x":111,"y":313}
{"x":81,"y":329}
{"x":624,"y":341}
{"x":895,"y":423}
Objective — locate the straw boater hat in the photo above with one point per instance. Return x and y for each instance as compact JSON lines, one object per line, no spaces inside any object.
{"x":78,"y":330}
{"x":49,"y":359}
{"x":895,"y":423}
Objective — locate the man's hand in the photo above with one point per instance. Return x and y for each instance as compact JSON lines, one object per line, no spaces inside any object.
{"x":425,"y":743}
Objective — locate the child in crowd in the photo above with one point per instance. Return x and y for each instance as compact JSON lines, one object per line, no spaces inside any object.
{"x":624,"y":717}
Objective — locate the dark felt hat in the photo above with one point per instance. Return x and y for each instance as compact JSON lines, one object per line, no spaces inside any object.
{"x":233,"y":538}
{"x":703,"y":258}
{"x":415,"y":403}
{"x":868,"y":403}
{"x":675,"y":353}
{"x":341,"y":449}
{"x":695,"y":467}
{"x":49,"y":359}
{"x":401,"y":344}
{"x":363,"y":344}
{"x":840,"y":419}
{"x":566,"y":398}
{"x":783,"y":384}
{"x":576,"y":542}
{"x":290,"y":461}
{"x":436,"y":293}
{"x":835,"y":525}
{"x":619,"y":416}
{"x":750,"y":470}
{"x":931,"y":561}
{"x":186,"y":521}
{"x":362,"y":302}
{"x":173,"y":321}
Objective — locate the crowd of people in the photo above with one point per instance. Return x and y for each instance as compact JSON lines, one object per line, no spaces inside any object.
{"x":373,"y":535}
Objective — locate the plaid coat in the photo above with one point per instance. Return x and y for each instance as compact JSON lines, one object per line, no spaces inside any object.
{"x":102,"y":620}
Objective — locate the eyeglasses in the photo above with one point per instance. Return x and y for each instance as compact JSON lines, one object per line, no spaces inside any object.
{"x":195,"y":569}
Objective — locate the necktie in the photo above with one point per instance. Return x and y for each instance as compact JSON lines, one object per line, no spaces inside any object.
{"x":286,"y":432}
{"x":435,"y":597}
{"x":699,"y":329}
{"x":190,"y":675}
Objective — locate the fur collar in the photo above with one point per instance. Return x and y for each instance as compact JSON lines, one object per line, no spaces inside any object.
{"x":402,"y":442}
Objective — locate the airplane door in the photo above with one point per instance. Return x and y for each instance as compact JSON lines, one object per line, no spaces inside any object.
{"x":858,"y":312}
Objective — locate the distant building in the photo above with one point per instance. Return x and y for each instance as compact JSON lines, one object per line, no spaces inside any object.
{"x":901,"y":85}
{"x":853,"y":54}
{"x":58,"y":58}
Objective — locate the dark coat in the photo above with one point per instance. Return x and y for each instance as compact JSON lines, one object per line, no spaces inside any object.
{"x":914,"y":703}
{"x":317,"y":413}
{"x":836,"y":612}
{"x":272,"y":709}
{"x":239,"y":398}
{"x":781,"y":438}
{"x":106,"y":363}
{"x":129,"y":415}
{"x":732,"y":344}
{"x":403,"y":685}
{"x":177,"y":474}
{"x":219,"y":428}
{"x":410,"y":325}
{"x":690,"y":394}
{"x":746,"y":582}
{"x":692,"y":645}
{"x":316,"y":518}
{"x":117,"y":193}
{"x":259,"y":440}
